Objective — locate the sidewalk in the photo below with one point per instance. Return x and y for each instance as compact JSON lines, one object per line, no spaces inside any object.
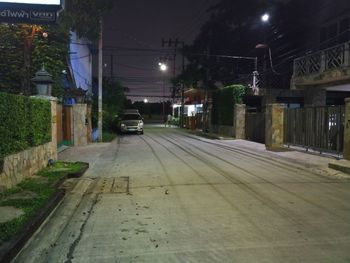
{"x":315,"y":162}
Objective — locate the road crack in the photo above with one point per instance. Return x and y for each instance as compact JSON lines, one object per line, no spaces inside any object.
{"x":75,"y":243}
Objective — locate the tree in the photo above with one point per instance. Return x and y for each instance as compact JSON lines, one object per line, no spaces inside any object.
{"x":234,"y":28}
{"x":113,"y":103}
{"x":24,"y":50}
{"x":86,"y":21}
{"x":11,"y":59}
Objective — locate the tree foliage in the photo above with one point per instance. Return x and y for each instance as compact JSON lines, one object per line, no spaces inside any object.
{"x":235,"y":28}
{"x":84,"y":16}
{"x":223,"y":103}
{"x":114,"y":100}
{"x":25,"y":122}
{"x":24,"y":51}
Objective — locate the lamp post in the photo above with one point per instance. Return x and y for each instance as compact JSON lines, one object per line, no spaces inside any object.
{"x":264,"y":19}
{"x":43,"y":81}
{"x":163,"y":67}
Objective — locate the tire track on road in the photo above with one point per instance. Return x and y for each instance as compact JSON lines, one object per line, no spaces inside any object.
{"x":261,"y":159}
{"x":245,"y":215}
{"x":244,"y":185}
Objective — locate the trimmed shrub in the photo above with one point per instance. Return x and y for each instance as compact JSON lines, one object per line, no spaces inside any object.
{"x":24,"y":122}
{"x":223,"y":104}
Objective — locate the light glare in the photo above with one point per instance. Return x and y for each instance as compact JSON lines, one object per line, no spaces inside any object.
{"x":163,"y":67}
{"x":265,"y":17}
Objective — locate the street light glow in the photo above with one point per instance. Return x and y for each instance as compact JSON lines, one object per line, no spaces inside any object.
{"x":163,"y":67}
{"x":265,"y":17}
{"x":145,"y":100}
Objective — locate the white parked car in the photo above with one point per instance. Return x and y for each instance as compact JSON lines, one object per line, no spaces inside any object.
{"x":130,"y":121}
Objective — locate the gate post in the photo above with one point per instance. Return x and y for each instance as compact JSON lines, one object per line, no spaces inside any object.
{"x":53,"y":102}
{"x":80,"y":125}
{"x":274,"y":133}
{"x":347,"y":130}
{"x":239,"y":121}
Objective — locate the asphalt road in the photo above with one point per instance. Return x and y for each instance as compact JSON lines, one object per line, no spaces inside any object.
{"x":167,"y":197}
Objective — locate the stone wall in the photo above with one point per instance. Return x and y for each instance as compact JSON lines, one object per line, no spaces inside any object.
{"x":19,"y":166}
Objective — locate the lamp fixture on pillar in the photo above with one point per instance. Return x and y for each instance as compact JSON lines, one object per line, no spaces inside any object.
{"x":43,"y":81}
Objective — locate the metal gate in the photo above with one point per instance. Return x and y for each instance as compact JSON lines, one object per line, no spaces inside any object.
{"x":318,"y":128}
{"x":255,"y":126}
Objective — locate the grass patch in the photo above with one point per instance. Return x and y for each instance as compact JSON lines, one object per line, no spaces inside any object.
{"x":43,"y":185}
{"x":108,"y":136}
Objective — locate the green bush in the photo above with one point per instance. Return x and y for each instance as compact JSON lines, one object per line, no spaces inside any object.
{"x":223,"y":104}
{"x":24,"y":122}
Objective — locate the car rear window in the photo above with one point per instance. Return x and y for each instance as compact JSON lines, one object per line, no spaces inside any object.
{"x":129,"y":117}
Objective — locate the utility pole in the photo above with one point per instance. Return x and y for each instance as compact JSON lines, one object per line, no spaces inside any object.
{"x":100,"y":76}
{"x":176,"y":43}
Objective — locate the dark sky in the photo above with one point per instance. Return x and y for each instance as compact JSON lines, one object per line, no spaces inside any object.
{"x":133,"y":31}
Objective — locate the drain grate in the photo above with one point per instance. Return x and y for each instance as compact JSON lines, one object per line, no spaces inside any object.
{"x":117,"y":185}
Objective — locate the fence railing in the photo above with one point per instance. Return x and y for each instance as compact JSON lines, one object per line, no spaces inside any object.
{"x":324,"y":60}
{"x":318,"y":128}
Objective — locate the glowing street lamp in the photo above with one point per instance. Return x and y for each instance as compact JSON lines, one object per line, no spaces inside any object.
{"x":145,"y":100}
{"x":265,"y":17}
{"x":163,"y":67}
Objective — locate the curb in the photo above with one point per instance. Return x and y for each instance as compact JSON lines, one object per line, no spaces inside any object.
{"x":342,"y":167}
{"x":11,"y":248}
{"x":81,"y":172}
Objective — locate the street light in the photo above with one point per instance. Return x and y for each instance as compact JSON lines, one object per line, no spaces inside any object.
{"x":145,"y":100}
{"x":163,"y":67}
{"x":265,"y":17}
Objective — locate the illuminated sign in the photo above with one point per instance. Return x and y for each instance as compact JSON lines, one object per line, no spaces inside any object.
{"x":29,"y":11}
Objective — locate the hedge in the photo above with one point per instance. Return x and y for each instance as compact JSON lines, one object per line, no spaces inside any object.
{"x":223,"y":104}
{"x":24,"y":122}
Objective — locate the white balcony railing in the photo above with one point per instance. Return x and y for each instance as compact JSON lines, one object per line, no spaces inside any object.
{"x":336,"y":57}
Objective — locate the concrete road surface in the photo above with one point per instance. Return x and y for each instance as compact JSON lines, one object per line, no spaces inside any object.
{"x":167,"y":197}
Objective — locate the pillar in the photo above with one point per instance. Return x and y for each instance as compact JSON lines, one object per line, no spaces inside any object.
{"x":89,"y":121}
{"x":80,"y":125}
{"x":239,"y":121}
{"x":274,"y":126}
{"x":53,"y":102}
{"x":347,"y":130}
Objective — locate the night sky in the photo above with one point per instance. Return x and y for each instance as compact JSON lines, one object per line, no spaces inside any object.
{"x":133,"y":31}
